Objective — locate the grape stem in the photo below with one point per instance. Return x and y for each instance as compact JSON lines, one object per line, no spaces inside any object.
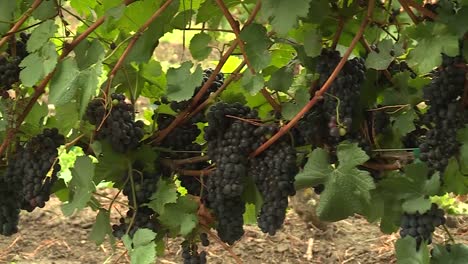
{"x":112,"y":199}
{"x":130,"y":176}
{"x":250,"y":121}
{"x":20,"y":22}
{"x":408,"y":10}
{"x":421,"y":9}
{"x":339,"y":30}
{"x":319,"y":93}
{"x":40,"y":88}
{"x":448,"y":234}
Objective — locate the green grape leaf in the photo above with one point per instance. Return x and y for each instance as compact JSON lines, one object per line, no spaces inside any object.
{"x":454,"y":179}
{"x":142,"y":248}
{"x":347,"y":189}
{"x":457,"y":23}
{"x":166,"y":193}
{"x":256,"y":45}
{"x":89,"y":53}
{"x":37,"y":65}
{"x":111,"y":165}
{"x":419,"y":204}
{"x":67,"y":117}
{"x":449,"y":254}
{"x":81,"y":186}
{"x":180,"y":217}
{"x":84,"y":7}
{"x":382,"y":59}
{"x":252,"y":83}
{"x":281,"y":79}
{"x":312,"y":42}
{"x":424,"y":33}
{"x":404,"y":122}
{"x":301,"y":98}
{"x":199,"y":46}
{"x":36,"y":117}
{"x":316,"y":170}
{"x":6,"y":14}
{"x":101,"y":228}
{"x":87,"y":83}
{"x":40,"y":35}
{"x":250,"y":215}
{"x":181,"y":83}
{"x":284,"y":14}
{"x":406,"y":252}
{"x":46,"y":10}
{"x":62,"y":90}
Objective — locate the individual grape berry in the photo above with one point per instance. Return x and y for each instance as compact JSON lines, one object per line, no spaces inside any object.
{"x":204,"y":239}
{"x":33,"y":170}
{"x":118,"y":125}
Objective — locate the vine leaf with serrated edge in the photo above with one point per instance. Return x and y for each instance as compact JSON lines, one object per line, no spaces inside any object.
{"x":347,"y":189}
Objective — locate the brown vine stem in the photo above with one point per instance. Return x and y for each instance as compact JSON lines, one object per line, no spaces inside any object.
{"x":190,"y":160}
{"x":338,"y":32}
{"x":319,"y":94}
{"x":421,"y":9}
{"x":408,"y":10}
{"x":180,"y":118}
{"x":132,"y":43}
{"x":40,"y":88}
{"x":271,"y":100}
{"x":20,"y":22}
{"x":382,"y":166}
{"x":235,"y":28}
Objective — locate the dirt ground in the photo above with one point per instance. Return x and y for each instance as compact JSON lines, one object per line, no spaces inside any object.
{"x":47,"y":237}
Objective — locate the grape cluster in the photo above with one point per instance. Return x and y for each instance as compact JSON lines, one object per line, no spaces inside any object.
{"x":190,"y":254}
{"x":181,"y":136}
{"x":379,"y":121}
{"x":445,"y":114}
{"x":9,"y":63}
{"x":273,"y":172}
{"x":342,"y":98}
{"x":397,"y":67}
{"x":421,"y":226}
{"x":144,"y":185}
{"x":33,"y":170}
{"x":118,"y":127}
{"x":9,"y":209}
{"x":229,"y":142}
{"x":204,"y":239}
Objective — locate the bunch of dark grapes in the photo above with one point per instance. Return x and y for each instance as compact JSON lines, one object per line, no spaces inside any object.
{"x":119,"y":126}
{"x":33,"y":170}
{"x":9,"y":63}
{"x":273,"y":172}
{"x":311,"y":127}
{"x":204,"y":239}
{"x":144,"y":185}
{"x":9,"y":209}
{"x":445,"y":114}
{"x":397,"y":67}
{"x":144,"y":218}
{"x":342,"y":98}
{"x":378,"y":121}
{"x":229,"y":142}
{"x":421,"y":226}
{"x":181,"y":136}
{"x":190,"y":254}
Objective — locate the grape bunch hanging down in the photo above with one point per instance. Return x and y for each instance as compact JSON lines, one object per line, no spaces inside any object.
{"x":229,"y":142}
{"x":9,"y":209}
{"x":138,"y":190}
{"x":191,"y":255}
{"x":445,"y":114}
{"x":118,"y":123}
{"x":9,"y":63}
{"x":273,"y":172}
{"x":342,"y":98}
{"x":421,"y":226}
{"x":33,"y":170}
